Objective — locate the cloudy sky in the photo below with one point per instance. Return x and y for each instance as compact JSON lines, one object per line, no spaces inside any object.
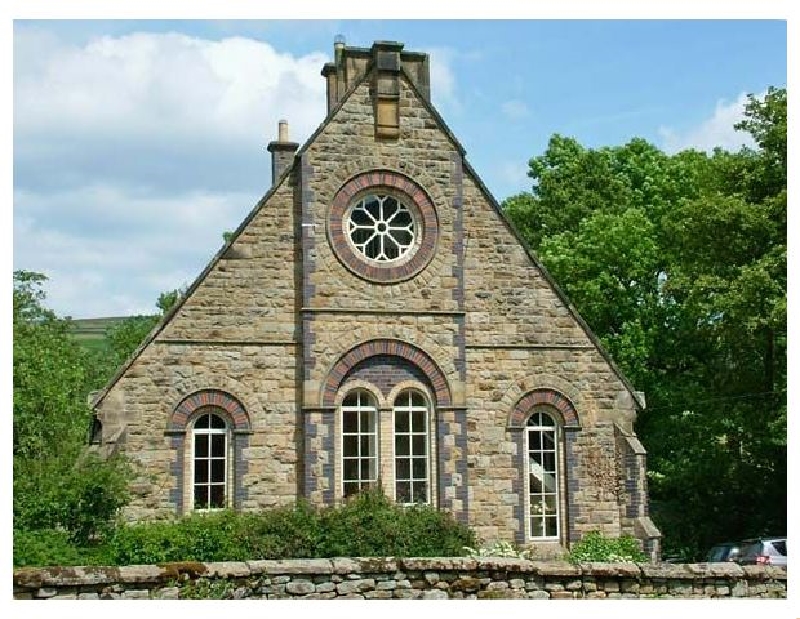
{"x":137,"y":143}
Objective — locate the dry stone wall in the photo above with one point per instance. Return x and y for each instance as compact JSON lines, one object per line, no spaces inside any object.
{"x":389,"y":578}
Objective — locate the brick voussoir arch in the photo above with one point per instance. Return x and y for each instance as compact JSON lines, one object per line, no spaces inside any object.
{"x":377,"y":180}
{"x":524,"y":406}
{"x":209,"y":397}
{"x":395,"y":348}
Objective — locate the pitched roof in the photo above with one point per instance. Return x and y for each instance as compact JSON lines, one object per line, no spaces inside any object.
{"x":486,"y":193}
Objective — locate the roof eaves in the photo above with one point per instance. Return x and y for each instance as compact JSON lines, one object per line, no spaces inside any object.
{"x":101,"y":394}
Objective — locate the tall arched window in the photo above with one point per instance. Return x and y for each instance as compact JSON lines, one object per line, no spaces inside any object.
{"x":210,"y":462}
{"x":359,"y":442}
{"x":411,"y":461}
{"x":543,"y":478}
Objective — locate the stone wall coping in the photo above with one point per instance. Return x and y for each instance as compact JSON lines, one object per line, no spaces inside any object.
{"x":159,"y":574}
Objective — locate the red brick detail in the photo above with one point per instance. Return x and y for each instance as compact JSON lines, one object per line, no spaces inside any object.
{"x":395,"y":348}
{"x":415,"y":196}
{"x":210,"y":398}
{"x":524,"y":407}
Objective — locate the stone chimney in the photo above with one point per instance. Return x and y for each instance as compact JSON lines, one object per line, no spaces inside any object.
{"x":387,"y":58}
{"x":282,"y":151}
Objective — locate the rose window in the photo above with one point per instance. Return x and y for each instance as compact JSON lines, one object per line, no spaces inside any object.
{"x":381,"y":227}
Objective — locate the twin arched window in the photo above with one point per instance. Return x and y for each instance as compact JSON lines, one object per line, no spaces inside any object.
{"x":361,"y":434}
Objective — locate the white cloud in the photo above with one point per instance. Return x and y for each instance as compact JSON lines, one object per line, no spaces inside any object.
{"x":163,"y":87}
{"x":126,"y":146}
{"x":714,"y":131}
{"x":515,"y":109}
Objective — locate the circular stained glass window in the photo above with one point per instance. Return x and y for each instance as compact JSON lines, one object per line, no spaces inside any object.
{"x":381,"y":228}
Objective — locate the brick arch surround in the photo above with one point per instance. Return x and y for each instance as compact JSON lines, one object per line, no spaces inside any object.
{"x":394,"y":348}
{"x":209,"y":397}
{"x":522,"y":408}
{"x":377,"y":180}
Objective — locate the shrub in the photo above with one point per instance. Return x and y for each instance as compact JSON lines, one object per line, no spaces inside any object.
{"x":368,"y":524}
{"x":498,"y":549}
{"x":54,"y":547}
{"x":596,"y":547}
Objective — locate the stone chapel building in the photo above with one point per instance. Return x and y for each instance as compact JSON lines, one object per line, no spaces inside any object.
{"x":377,"y":320}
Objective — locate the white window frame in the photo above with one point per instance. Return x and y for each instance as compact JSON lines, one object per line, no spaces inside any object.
{"x":382,"y":228}
{"x":409,"y":409}
{"x":225,"y":432}
{"x":365,"y":403}
{"x":530,"y":498}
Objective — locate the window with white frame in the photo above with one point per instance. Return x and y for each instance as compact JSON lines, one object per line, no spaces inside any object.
{"x":381,"y":228}
{"x":210,"y":462}
{"x":411,"y":462}
{"x":359,"y":442}
{"x":543,"y":478}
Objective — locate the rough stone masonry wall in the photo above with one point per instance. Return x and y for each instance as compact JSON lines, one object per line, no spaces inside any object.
{"x":379,"y":578}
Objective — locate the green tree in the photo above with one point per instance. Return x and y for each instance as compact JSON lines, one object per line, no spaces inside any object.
{"x":57,"y":484}
{"x":678,"y":263}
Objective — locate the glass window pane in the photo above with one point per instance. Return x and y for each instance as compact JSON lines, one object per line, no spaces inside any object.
{"x":537,"y":530}
{"x":420,"y":492}
{"x":350,"y":469}
{"x":350,"y":488}
{"x":418,"y":421}
{"x":549,"y":462}
{"x":367,"y":446}
{"x":548,"y":440}
{"x":350,"y":446}
{"x":418,"y":445}
{"x":218,"y":469}
{"x":201,"y":497}
{"x":536,"y":483}
{"x":217,"y":422}
{"x":403,"y":400}
{"x":366,"y":421}
{"x":201,"y":445}
{"x":218,"y":445}
{"x":203,"y":421}
{"x":401,"y":445}
{"x":549,"y":481}
{"x":417,"y":399}
{"x":403,"y":492}
{"x":550,"y":503}
{"x":351,"y":399}
{"x":349,"y":422}
{"x":367,"y":469}
{"x":401,"y":422}
{"x":200,"y":471}
{"x":534,"y":440}
{"x":217,"y":496}
{"x":420,"y":468}
{"x":403,"y":468}
{"x":550,"y":527}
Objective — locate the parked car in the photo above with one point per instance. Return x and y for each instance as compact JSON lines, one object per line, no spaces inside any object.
{"x":763,"y":551}
{"x":727,"y":551}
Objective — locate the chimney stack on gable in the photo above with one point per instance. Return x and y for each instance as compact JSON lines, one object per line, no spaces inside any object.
{"x":351,"y":63}
{"x":282,"y":151}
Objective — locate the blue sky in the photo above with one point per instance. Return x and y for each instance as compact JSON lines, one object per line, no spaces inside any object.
{"x":136,"y":143}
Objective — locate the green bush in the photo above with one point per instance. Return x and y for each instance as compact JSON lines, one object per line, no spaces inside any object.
{"x":366,"y":525}
{"x":596,"y":547}
{"x":55,"y":547}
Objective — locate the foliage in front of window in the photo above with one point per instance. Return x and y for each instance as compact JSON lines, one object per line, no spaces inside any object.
{"x":368,"y":524}
{"x":499,"y":548}
{"x":595,"y":547}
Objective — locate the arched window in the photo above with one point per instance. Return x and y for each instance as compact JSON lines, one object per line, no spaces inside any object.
{"x":210,"y":462}
{"x":411,"y":460}
{"x":359,"y":442}
{"x":543,"y":477}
